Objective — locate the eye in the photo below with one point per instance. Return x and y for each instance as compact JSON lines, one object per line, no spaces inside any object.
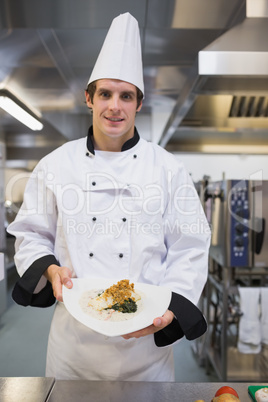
{"x":104,"y":94}
{"x":127,"y":96}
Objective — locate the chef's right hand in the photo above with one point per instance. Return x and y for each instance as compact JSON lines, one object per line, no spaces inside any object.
{"x":59,"y":276}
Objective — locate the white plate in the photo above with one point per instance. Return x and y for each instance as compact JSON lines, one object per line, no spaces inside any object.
{"x":155,"y":304}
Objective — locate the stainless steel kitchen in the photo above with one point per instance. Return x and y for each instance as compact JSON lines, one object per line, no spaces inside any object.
{"x":72,"y":225}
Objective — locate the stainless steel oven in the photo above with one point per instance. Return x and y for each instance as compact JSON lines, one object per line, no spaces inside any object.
{"x":237,"y":211}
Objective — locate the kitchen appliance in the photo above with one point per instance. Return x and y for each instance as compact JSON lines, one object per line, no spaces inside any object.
{"x":3,"y":279}
{"x":237,"y":211}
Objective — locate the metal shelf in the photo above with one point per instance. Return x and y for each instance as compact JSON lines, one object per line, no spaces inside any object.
{"x":223,"y":319}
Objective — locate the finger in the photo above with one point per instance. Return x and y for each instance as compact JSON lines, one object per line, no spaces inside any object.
{"x":162,"y":322}
{"x":138,"y":334}
{"x":57,"y":288}
{"x":67,"y":282}
{"x":158,"y":324}
{"x":65,"y":275}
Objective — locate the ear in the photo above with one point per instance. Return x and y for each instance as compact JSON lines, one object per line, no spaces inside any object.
{"x":88,"y":100}
{"x":139,"y":108}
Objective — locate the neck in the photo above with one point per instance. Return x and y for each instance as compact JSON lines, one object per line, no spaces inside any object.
{"x":106,"y":143}
{"x":111,"y":146}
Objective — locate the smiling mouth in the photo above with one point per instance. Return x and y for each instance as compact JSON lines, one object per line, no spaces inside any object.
{"x":114,"y":119}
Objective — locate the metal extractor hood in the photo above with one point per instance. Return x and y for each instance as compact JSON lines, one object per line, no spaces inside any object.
{"x":235,"y":65}
{"x":241,"y":51}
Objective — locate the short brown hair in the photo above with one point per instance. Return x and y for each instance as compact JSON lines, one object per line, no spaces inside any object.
{"x":91,"y":89}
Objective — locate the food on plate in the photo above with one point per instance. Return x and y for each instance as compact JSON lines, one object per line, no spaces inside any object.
{"x":261,"y":395}
{"x":226,"y":394}
{"x":120,"y":297}
{"x":117,"y":303}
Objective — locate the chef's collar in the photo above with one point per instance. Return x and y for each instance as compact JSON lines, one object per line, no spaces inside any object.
{"x":127,"y":145}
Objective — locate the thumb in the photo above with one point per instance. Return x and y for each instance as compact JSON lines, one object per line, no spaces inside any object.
{"x":166,"y":319}
{"x":158,"y":322}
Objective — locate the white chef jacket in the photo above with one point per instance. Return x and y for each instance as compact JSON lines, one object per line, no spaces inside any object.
{"x":131,"y":214}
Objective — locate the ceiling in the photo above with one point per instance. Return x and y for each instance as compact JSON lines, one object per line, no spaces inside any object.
{"x":48,"y":49}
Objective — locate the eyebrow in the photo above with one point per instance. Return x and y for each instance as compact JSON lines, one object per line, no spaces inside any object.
{"x":103,"y":89}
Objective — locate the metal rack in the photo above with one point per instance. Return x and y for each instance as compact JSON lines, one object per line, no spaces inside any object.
{"x":223,"y":313}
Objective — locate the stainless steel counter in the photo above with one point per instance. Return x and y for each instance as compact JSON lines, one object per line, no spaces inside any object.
{"x":28,"y":389}
{"x":25,"y":389}
{"x":81,"y":391}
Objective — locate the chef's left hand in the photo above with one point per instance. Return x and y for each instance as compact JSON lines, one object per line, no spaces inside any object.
{"x":158,"y":324}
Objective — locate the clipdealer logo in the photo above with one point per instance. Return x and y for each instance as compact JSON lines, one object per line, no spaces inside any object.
{"x":45,"y":195}
{"x":134,"y":226}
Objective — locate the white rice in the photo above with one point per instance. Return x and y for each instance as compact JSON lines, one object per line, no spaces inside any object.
{"x":110,"y":314}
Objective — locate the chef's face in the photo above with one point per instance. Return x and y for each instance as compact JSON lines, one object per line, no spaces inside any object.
{"x":114,"y":109}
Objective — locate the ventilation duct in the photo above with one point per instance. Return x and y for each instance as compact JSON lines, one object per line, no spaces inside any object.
{"x":249,"y":106}
{"x":241,"y":51}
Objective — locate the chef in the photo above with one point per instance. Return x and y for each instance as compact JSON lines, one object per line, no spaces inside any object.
{"x":112,"y":205}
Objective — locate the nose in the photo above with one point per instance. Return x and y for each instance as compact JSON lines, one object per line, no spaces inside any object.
{"x":114,"y":104}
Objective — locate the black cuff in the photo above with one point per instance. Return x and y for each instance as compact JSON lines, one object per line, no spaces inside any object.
{"x":189,"y":322}
{"x":24,"y":288}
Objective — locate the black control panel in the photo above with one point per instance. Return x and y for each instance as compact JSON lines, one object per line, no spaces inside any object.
{"x":238,"y":208}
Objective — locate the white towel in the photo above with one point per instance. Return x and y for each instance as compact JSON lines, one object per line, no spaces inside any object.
{"x":264,"y":315}
{"x":249,"y":333}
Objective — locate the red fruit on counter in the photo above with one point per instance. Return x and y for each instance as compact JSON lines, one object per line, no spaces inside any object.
{"x":226,"y":390}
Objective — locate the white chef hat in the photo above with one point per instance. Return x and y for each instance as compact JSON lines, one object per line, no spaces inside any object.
{"x":120,"y":55}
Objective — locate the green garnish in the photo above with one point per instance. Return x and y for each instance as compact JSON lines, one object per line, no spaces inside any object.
{"x":129,"y":306}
